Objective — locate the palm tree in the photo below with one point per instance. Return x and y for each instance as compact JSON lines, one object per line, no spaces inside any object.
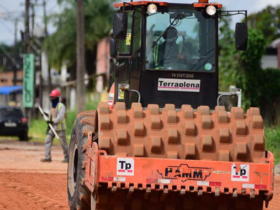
{"x":61,"y":45}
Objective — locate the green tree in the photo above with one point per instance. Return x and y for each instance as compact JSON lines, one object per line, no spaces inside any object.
{"x":250,"y":76}
{"x":267,"y":21}
{"x":61,"y":45}
{"x":7,"y":48}
{"x":227,"y":64}
{"x":243,"y":69}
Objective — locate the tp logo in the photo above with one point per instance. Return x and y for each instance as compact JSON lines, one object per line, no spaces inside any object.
{"x":240,"y":173}
{"x":125,"y":166}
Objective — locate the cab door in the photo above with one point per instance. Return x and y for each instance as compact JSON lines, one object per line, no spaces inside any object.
{"x":128,"y":61}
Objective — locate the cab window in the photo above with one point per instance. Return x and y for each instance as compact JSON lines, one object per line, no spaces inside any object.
{"x":180,"y":39}
{"x":124,"y":46}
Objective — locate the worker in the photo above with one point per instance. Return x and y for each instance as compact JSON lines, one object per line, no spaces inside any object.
{"x":169,"y":52}
{"x":57,"y":119}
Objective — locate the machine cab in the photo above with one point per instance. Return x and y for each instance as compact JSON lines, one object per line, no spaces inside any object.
{"x":168,"y":53}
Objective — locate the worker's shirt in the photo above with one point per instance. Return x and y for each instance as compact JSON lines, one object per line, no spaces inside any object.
{"x":58,"y":117}
{"x":171,"y":52}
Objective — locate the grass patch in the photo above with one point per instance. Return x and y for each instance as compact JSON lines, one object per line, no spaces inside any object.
{"x":37,"y":132}
{"x":272,"y":140}
{"x":70,"y":120}
{"x":9,"y":138}
{"x":92,"y":105}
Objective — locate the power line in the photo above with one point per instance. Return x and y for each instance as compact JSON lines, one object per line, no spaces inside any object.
{"x":10,"y":15}
{"x":5,"y":26}
{"x":12,"y":12}
{"x":4,"y":8}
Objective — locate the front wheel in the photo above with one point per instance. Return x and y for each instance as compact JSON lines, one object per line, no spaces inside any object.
{"x":79,"y":197}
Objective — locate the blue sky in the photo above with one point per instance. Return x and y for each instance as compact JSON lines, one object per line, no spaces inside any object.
{"x":16,"y":8}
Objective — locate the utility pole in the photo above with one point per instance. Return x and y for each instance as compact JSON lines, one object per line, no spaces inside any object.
{"x":16,"y":41}
{"x":32,"y":18}
{"x":27,"y":47}
{"x":45,"y":18}
{"x":15,"y":53}
{"x":46,"y":36}
{"x":80,"y":57}
{"x":26,"y":35}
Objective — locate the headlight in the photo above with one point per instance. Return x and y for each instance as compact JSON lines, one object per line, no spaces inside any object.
{"x":152,"y":8}
{"x":211,"y":10}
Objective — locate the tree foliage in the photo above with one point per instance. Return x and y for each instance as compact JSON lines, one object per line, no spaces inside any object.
{"x":243,"y":69}
{"x":227,"y":60}
{"x":61,"y":45}
{"x":267,"y":21}
{"x":6,"y":48}
{"x":250,"y":76}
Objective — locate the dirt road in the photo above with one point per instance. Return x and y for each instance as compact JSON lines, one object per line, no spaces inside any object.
{"x":18,"y":156}
{"x":26,"y":183}
{"x":32,"y":191}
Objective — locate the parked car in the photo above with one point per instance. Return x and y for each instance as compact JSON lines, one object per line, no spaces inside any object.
{"x":13,"y":123}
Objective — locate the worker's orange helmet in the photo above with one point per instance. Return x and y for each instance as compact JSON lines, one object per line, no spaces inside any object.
{"x":55,"y":93}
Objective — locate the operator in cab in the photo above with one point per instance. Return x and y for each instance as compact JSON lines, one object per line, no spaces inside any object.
{"x":169,"y":55}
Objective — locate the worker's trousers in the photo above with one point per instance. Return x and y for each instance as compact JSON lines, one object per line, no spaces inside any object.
{"x":49,"y":141}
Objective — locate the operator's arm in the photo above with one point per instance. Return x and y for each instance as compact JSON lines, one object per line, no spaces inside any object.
{"x":60,"y":115}
{"x":185,"y":56}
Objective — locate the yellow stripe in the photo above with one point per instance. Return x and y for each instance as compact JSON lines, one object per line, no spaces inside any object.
{"x":156,"y":55}
{"x":59,"y":125}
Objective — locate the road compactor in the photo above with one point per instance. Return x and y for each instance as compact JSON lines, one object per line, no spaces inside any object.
{"x":162,"y":141}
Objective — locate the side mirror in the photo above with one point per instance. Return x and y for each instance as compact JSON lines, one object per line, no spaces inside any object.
{"x":113,"y":48}
{"x":241,"y":36}
{"x":120,"y":26}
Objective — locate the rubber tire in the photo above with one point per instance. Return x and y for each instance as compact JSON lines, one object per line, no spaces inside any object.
{"x":81,"y":197}
{"x":23,"y":136}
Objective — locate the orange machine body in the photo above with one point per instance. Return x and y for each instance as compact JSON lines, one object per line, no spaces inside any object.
{"x":200,"y":4}
{"x":179,"y":175}
{"x":196,"y":176}
{"x":140,"y":3}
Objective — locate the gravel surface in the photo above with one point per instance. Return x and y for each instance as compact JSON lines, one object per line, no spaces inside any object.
{"x":26,"y":183}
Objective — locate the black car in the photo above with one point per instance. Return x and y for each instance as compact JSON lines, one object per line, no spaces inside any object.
{"x":13,"y":122}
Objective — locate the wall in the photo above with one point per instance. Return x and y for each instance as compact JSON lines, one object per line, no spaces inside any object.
{"x":102,"y":62}
{"x":5,"y":99}
{"x":6,"y":78}
{"x":269,"y":61}
{"x":271,"y":113}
